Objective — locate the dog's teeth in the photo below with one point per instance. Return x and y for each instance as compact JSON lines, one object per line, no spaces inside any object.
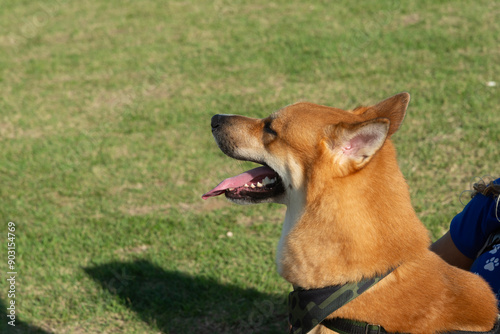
{"x":231,"y":189}
{"x":267,"y":181}
{"x":246,"y":185}
{"x":259,"y":184}
{"x":252,"y":185}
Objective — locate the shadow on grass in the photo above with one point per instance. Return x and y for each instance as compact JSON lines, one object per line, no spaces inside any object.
{"x":175,"y":302}
{"x":20,"y":326}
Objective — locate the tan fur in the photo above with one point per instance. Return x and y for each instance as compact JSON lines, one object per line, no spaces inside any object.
{"x":350,"y":216}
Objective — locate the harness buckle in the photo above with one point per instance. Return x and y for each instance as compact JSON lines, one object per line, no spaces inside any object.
{"x":368,"y":329}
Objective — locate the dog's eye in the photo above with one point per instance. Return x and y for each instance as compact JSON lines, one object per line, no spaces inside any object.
{"x":268,"y":129}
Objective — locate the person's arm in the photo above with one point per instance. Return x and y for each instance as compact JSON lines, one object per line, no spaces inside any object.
{"x":446,"y":249}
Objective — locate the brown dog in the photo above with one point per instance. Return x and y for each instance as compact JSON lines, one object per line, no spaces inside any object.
{"x":349,"y":215}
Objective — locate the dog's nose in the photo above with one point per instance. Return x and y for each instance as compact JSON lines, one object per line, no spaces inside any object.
{"x":216,"y":120}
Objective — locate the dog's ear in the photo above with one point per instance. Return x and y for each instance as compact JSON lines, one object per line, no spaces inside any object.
{"x":353,"y":145}
{"x":393,"y":108}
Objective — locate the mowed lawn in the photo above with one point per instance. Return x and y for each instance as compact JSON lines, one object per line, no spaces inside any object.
{"x":106,"y":146}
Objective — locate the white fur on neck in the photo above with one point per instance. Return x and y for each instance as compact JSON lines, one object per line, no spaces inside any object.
{"x":295,"y":208}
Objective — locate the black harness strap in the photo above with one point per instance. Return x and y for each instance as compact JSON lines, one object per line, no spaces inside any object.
{"x":308,"y":308}
{"x":345,"y":326}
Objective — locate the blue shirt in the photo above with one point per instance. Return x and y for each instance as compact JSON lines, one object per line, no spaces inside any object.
{"x":471,"y":228}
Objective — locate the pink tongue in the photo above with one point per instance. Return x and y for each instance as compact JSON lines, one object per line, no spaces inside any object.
{"x":240,"y":180}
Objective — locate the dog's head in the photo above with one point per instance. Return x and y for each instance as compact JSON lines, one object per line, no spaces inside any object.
{"x":299,"y":143}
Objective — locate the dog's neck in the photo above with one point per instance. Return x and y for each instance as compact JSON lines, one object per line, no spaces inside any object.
{"x":320,"y":243}
{"x":292,"y":216}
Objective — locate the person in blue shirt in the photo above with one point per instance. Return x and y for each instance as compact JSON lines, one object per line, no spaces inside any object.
{"x":473,"y":240}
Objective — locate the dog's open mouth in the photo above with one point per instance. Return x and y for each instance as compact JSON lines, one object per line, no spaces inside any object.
{"x":256,"y":184}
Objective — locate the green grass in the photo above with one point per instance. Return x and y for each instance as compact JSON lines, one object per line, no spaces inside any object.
{"x":106,"y":143}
